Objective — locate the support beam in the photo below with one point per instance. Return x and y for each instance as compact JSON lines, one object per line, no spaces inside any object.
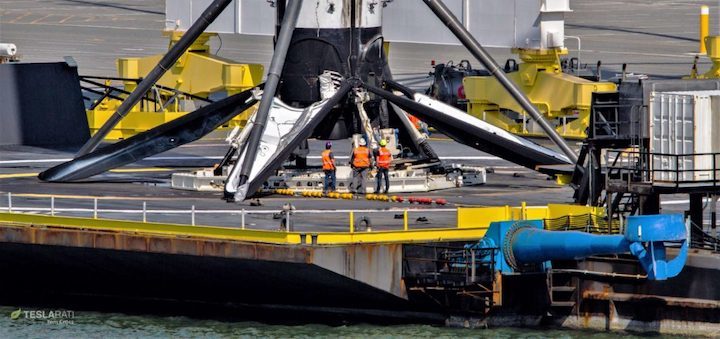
{"x":649,"y":204}
{"x":466,"y":38}
{"x":292,"y":12}
{"x":185,"y":129}
{"x":696,"y":208}
{"x":713,"y":214}
{"x":420,"y":141}
{"x":177,"y":50}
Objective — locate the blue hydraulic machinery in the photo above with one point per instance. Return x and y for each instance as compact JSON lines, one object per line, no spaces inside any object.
{"x":526,"y":247}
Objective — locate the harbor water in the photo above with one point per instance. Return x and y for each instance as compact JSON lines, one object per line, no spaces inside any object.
{"x":40,"y":323}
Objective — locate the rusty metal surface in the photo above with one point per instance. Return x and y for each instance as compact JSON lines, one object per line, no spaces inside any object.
{"x":378,"y":265}
{"x":682,"y":305}
{"x":129,"y":241}
{"x":669,"y":301}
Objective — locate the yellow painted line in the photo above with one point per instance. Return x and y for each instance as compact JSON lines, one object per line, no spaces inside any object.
{"x":17,"y":175}
{"x":121,"y":170}
{"x":41,"y":19}
{"x":227,"y":233}
{"x":18,"y":18}
{"x":516,"y":192}
{"x":66,"y":19}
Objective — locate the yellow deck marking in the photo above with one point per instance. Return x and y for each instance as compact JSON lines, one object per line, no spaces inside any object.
{"x":17,"y":175}
{"x":18,"y":18}
{"x":228,"y":233}
{"x":516,"y":192}
{"x":66,"y":19}
{"x":41,"y":19}
{"x":122,"y":170}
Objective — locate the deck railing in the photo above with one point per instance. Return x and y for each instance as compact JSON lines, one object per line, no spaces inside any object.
{"x":673,"y":170}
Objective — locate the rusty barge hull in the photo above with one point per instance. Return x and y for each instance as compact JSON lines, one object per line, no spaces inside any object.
{"x":112,"y":270}
{"x":83,"y":267}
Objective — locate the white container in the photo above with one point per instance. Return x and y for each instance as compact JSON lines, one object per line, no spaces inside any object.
{"x":8,"y":50}
{"x":683,"y":126}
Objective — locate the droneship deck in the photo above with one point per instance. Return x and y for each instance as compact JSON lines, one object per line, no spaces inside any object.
{"x":194,"y":251}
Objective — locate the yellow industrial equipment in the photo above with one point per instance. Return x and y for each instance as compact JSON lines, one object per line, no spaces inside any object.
{"x":196,"y":76}
{"x":712,"y":44}
{"x":563,"y":99}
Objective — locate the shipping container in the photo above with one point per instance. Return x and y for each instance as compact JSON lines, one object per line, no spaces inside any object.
{"x":684,"y":134}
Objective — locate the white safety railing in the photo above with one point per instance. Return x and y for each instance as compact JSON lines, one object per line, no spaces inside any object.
{"x":355,"y":216}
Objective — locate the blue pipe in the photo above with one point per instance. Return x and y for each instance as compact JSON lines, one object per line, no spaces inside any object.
{"x":527,"y":242}
{"x":533,"y":245}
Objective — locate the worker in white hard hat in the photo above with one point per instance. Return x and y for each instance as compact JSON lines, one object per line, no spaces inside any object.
{"x":360,"y":162}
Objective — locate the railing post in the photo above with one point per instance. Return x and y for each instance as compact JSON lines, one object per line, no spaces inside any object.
{"x":352,"y":222}
{"x":713,"y":214}
{"x":192,"y":215}
{"x":95,"y":208}
{"x":242,"y":219}
{"x":677,"y":171}
{"x":405,"y":220}
{"x":144,"y":211}
{"x":9,"y":202}
{"x":288,"y":227}
{"x":52,"y":205}
{"x":714,"y":168}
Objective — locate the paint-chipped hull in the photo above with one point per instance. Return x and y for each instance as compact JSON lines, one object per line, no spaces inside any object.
{"x":688,"y":304}
{"x":63,"y":264}
{"x":139,"y":272}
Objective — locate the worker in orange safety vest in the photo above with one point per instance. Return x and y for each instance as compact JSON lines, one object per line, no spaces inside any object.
{"x":328,"y":166}
{"x":383,"y":160}
{"x":360,"y":162}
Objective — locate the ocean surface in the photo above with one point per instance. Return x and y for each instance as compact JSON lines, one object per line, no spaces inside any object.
{"x":40,"y":323}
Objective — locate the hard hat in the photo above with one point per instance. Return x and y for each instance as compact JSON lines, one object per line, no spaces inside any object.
{"x":362,"y":142}
{"x":383,"y":142}
{"x":328,"y":145}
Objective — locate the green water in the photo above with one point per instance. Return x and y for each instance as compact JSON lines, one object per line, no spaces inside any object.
{"x":112,"y":325}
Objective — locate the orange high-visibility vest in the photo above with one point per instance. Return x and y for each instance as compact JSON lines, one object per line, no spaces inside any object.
{"x":384,"y":158}
{"x":415,"y":121}
{"x":327,"y":161}
{"x":361,"y":159}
